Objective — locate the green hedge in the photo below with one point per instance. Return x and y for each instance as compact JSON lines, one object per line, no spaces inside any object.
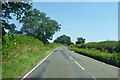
{"x":113,"y":59}
{"x":21,"y":53}
{"x":106,"y":51}
{"x":106,"y":46}
{"x":12,"y":42}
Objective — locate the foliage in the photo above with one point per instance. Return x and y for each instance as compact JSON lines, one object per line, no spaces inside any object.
{"x":100,"y":51}
{"x":11,"y":43}
{"x":13,"y":8}
{"x":63,"y":39}
{"x":22,"y":50}
{"x":113,"y":59}
{"x":36,"y":24}
{"x":80,"y":40}
{"x":106,"y":46}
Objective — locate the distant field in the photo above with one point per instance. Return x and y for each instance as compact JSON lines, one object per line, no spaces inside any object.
{"x":20,"y":53}
{"x":106,"y":51}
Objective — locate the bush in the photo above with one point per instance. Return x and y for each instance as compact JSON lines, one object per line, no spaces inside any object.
{"x":113,"y":59}
{"x":106,"y":46}
{"x":106,"y":51}
{"x":12,"y":42}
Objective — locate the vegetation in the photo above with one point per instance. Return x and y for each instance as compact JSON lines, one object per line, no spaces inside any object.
{"x":100,"y":51}
{"x":63,"y":39}
{"x":21,"y":53}
{"x":36,"y":24}
{"x":10,"y":9}
{"x":22,"y":49}
{"x":80,"y":40}
{"x":106,"y":46}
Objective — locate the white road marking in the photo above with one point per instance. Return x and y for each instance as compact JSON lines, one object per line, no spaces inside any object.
{"x":79,"y":65}
{"x":99,"y":61}
{"x":94,"y":78}
{"x":71,"y":57}
{"x":36,"y":66}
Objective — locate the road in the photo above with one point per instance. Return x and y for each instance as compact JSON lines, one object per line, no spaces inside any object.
{"x":63,"y":63}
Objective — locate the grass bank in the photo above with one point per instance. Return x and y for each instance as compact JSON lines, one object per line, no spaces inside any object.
{"x":98,"y":54}
{"x":21,"y":53}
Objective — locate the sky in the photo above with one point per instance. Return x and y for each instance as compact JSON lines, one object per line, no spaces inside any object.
{"x":94,"y":21}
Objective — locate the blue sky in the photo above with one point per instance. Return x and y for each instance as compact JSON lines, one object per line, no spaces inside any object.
{"x":95,"y":21}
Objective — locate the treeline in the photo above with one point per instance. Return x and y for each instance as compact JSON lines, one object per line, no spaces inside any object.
{"x":106,"y":51}
{"x":64,"y":39}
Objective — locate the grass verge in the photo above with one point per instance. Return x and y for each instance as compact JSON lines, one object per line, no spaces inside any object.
{"x":23,"y":55}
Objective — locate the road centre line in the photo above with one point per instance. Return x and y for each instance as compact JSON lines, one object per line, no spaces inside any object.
{"x":79,"y":65}
{"x":94,"y":78}
{"x":71,"y":57}
{"x":36,"y":66}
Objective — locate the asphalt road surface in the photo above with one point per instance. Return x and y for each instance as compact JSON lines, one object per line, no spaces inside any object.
{"x":63,"y":63}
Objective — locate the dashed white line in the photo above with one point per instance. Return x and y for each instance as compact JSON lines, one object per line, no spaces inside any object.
{"x":79,"y":65}
{"x":94,"y":78}
{"x":71,"y":57}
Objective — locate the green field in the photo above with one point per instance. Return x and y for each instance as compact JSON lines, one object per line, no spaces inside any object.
{"x":20,"y":53}
{"x":106,"y":51}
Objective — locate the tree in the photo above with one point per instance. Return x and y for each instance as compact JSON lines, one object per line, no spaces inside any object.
{"x":63,"y":39}
{"x":36,"y":24}
{"x":80,"y":40}
{"x":10,"y":9}
{"x":72,"y":43}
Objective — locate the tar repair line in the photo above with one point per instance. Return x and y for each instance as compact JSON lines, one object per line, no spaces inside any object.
{"x":36,"y":65}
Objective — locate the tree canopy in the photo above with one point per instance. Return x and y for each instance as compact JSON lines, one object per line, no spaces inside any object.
{"x":80,"y":40}
{"x":36,"y":24}
{"x":63,"y":39}
{"x":10,"y":9}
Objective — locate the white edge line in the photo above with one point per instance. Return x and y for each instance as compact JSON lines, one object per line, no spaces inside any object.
{"x":79,"y":65}
{"x":36,"y":66}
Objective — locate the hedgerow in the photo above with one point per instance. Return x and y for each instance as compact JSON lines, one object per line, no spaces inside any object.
{"x":12,"y":42}
{"x":103,"y":51}
{"x":20,"y":53}
{"x":106,"y":46}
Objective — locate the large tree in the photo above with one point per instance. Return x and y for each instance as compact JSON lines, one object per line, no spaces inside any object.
{"x":36,"y":24}
{"x":10,"y":9}
{"x":63,"y":39}
{"x":80,"y":40}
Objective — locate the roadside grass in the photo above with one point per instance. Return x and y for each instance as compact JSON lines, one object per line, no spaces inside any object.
{"x":113,"y":59}
{"x":17,"y":60}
